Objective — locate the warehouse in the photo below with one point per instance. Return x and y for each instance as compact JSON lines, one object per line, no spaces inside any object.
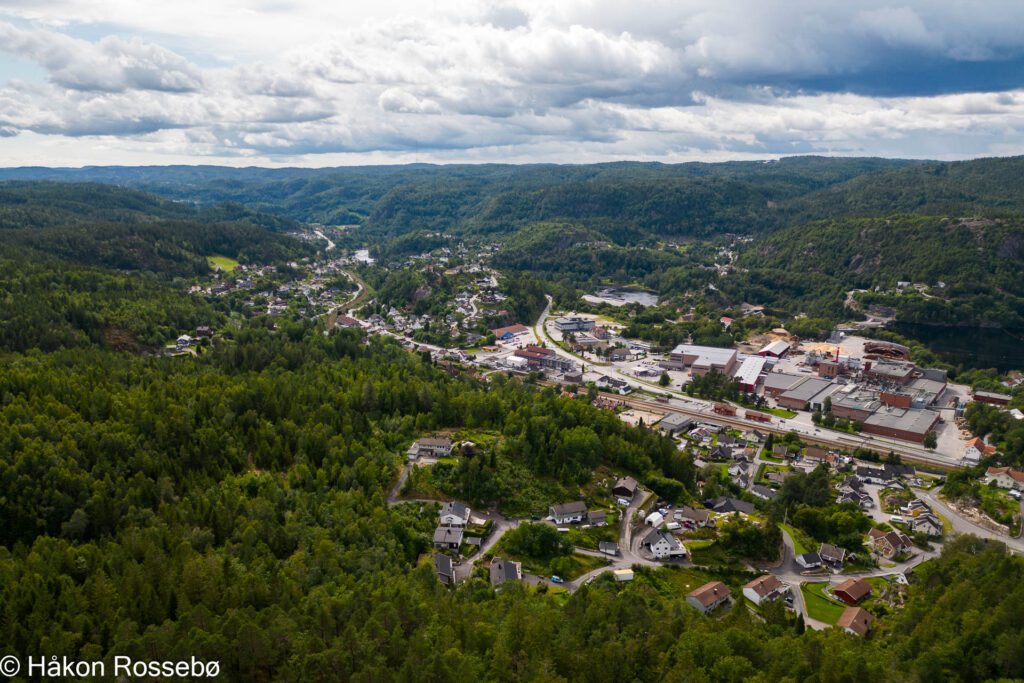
{"x":704,"y":359}
{"x":775,"y":383}
{"x":900,"y":423}
{"x":749,"y":373}
{"x":777,"y":349}
{"x":799,"y":395}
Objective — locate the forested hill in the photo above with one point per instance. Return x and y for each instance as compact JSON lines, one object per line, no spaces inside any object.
{"x":87,"y":264}
{"x":641,"y":198}
{"x":962,"y":188}
{"x":113,"y":227}
{"x":676,"y":199}
{"x":972,"y":266}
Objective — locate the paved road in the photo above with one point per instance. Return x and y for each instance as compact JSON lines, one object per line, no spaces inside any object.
{"x":961,"y":525}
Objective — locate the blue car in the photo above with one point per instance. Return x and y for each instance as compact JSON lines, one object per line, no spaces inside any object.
{"x":556,"y":579}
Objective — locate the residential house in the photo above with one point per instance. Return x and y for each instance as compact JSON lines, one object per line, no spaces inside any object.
{"x":852,"y":591}
{"x":832,"y":555}
{"x":1005,"y":477}
{"x":764,"y":588}
{"x":699,"y":518}
{"x":709,"y":596}
{"x":762,"y":492}
{"x":608,"y":548}
{"x":448,"y":537}
{"x":445,"y":570}
{"x":927,"y":524}
{"x":505,"y":570}
{"x":808,"y":560}
{"x":619,"y":386}
{"x":727,"y":505}
{"x":855,"y":621}
{"x":454,"y":514}
{"x":436,"y":447}
{"x":597,"y":518}
{"x":625,"y":487}
{"x":889,"y":544}
{"x":568,"y":513}
{"x":663,"y":545}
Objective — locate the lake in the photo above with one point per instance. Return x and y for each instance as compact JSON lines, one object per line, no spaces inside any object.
{"x":972,"y":347}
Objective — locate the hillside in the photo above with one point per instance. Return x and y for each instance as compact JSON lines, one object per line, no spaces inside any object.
{"x":977,"y":261}
{"x":681,"y":199}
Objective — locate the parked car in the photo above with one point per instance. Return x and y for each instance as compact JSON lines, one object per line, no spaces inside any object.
{"x":672,"y":526}
{"x":556,"y":579}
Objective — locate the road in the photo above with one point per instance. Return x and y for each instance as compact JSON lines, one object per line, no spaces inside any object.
{"x":962,"y":525}
{"x":330,"y":244}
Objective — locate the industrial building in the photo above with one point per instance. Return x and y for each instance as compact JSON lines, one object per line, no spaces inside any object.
{"x":901,"y":423}
{"x":573,"y":323}
{"x":703,"y":359}
{"x":749,"y":372}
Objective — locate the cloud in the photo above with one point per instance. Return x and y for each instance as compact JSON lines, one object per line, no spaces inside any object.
{"x":573,"y":80}
{"x":111,"y":64}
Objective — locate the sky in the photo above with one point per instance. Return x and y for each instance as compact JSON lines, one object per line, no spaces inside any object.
{"x":326,"y":83}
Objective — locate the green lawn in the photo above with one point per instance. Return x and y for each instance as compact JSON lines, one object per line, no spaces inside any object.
{"x":223,"y":262}
{"x":801,"y":544}
{"x":578,"y":565}
{"x":820,"y":607}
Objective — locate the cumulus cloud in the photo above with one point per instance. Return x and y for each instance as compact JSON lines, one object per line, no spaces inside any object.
{"x":518,"y":79}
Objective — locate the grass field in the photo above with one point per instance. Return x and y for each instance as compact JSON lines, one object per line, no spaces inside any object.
{"x":223,"y":262}
{"x":801,"y":544}
{"x":819,"y":606}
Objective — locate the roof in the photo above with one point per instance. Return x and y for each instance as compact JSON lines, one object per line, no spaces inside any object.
{"x":775,"y":348}
{"x":626,"y":482}
{"x":781,"y":380}
{"x":807,"y":389}
{"x":504,"y":570}
{"x":829,"y":550}
{"x":443,"y":564}
{"x":857,"y":589}
{"x":710,"y":593}
{"x":765,"y":585}
{"x":809,"y":558}
{"x":695,"y":514}
{"x":750,"y":370}
{"x":1016,"y":475}
{"x":435,"y":441}
{"x":982,"y":447}
{"x":656,"y":535}
{"x":677,"y":420}
{"x":993,"y":395}
{"x":726,"y":504}
{"x":608,"y":546}
{"x":913,"y":421}
{"x":706,"y":355}
{"x":448,"y":535}
{"x":574,"y":507}
{"x":510,"y":329}
{"x":762,"y":491}
{"x":455,"y":508}
{"x":856,"y":619}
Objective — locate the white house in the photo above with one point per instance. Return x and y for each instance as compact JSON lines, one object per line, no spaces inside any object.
{"x":454,"y":514}
{"x":976,"y":449}
{"x":709,"y":596}
{"x":1005,"y":477}
{"x":568,"y":513}
{"x":663,"y":545}
{"x":764,"y":588}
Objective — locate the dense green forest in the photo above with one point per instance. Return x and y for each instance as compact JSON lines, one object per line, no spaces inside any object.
{"x":972,"y":268}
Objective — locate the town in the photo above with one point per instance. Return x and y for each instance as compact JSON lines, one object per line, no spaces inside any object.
{"x":880,"y":430}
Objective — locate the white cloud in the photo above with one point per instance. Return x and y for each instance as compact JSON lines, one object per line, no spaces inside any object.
{"x":299,"y":82}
